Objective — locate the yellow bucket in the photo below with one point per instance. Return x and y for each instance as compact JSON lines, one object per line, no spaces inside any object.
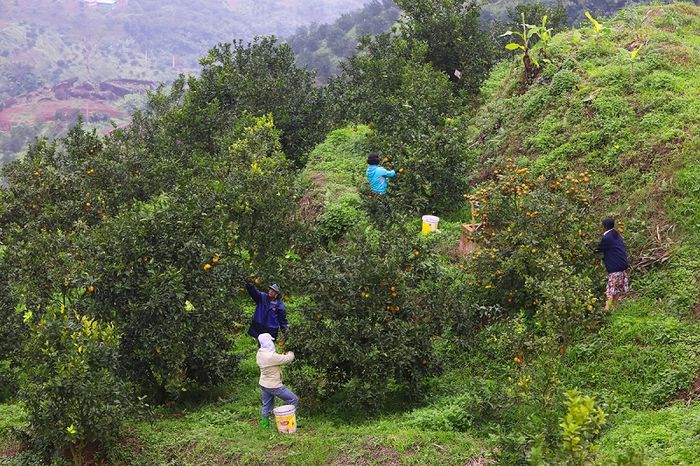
{"x":285,"y":419}
{"x":430,"y":224}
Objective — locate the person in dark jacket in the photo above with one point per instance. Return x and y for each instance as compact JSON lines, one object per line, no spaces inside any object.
{"x":270,"y":314}
{"x":615,"y":259}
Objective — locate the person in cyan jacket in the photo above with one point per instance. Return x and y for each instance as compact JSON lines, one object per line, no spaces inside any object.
{"x":615,"y":259}
{"x":377,"y":176}
{"x":270,"y":314}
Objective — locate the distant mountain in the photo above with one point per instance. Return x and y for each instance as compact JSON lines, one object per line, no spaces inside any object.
{"x":322,"y":46}
{"x":45,"y":41}
{"x":45,"y":44}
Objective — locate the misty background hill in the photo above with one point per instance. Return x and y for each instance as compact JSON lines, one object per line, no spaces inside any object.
{"x":61,"y":59}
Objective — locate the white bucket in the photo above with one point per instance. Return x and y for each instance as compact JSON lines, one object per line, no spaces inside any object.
{"x":285,"y":419}
{"x":430,"y":224}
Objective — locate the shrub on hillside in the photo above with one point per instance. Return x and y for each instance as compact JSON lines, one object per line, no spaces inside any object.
{"x":142,"y":240}
{"x":368,"y":332}
{"x":534,"y":252}
{"x":72,"y":392}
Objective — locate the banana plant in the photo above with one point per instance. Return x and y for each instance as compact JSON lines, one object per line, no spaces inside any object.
{"x":531,"y":52}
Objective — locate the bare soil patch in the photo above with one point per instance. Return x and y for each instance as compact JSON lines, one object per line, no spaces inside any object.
{"x":691,"y":394}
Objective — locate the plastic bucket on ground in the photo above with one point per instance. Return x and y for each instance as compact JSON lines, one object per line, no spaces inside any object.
{"x":430,"y":224}
{"x":286,"y":419}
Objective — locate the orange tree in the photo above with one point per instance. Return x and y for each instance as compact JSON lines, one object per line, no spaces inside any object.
{"x":534,"y":249}
{"x":408,"y":103}
{"x":257,"y":78}
{"x":163,"y":267}
{"x":535,"y":264}
{"x":72,"y":391}
{"x":367,"y":332}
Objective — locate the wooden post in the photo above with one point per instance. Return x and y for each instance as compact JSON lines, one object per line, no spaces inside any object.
{"x":466,"y":244}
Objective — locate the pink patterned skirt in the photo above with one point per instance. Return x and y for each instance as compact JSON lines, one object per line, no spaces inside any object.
{"x":618,"y":283}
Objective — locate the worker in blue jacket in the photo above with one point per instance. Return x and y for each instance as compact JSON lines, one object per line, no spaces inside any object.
{"x":270,"y":314}
{"x":615,"y":259}
{"x":377,"y":176}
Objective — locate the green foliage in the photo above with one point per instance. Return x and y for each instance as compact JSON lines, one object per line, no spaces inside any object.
{"x":320,"y":47}
{"x":339,"y":217}
{"x":580,"y":428}
{"x":72,"y":392}
{"x":455,"y":40}
{"x":532,"y":51}
{"x":534,"y":13}
{"x":639,"y":360}
{"x":563,"y":81}
{"x":407,"y":104}
{"x":532,"y":242}
{"x":139,"y":262}
{"x":231,"y":85}
{"x":380,"y":297}
{"x":664,"y":436}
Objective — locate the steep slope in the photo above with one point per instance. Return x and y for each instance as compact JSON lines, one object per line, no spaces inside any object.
{"x":620,"y":103}
{"x":623,"y":104}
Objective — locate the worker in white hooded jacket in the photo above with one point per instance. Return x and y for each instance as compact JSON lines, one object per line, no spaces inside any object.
{"x":271,"y":377}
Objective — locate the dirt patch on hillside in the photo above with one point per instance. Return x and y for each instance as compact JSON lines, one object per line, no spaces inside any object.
{"x":691,"y":394}
{"x":50,"y":110}
{"x":311,"y":205}
{"x":10,"y":449}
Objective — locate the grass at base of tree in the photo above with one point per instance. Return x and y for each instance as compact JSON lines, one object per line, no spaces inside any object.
{"x":667,"y":436}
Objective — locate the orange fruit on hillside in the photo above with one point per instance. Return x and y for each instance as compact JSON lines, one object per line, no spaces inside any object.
{"x":517,"y":360}
{"x":91,"y":171}
{"x":401,"y":170}
{"x":91,"y":289}
{"x":393,"y":289}
{"x":37,"y":173}
{"x":258,"y":281}
{"x":87,"y":205}
{"x":416,"y":253}
{"x":215,"y":260}
{"x":206,"y":267}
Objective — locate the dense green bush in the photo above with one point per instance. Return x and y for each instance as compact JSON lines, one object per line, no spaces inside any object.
{"x":71,"y":391}
{"x":453,"y":33}
{"x":368,"y":331}
{"x":563,"y":81}
{"x":163,"y":269}
{"x":534,"y":246}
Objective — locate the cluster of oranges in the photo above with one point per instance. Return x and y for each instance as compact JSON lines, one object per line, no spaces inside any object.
{"x":393,"y":308}
{"x":520,"y":358}
{"x":215,"y":260}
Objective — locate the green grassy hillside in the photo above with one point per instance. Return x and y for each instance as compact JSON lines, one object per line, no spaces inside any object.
{"x":619,"y":105}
